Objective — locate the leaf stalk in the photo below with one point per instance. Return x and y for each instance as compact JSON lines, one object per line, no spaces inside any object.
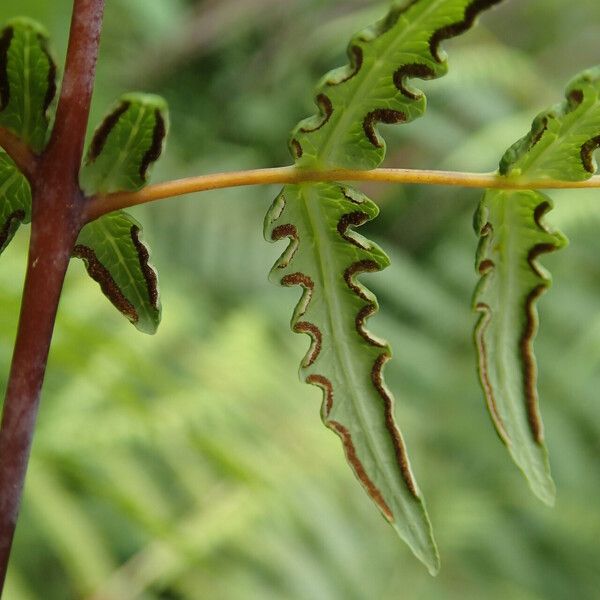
{"x":100,"y":205}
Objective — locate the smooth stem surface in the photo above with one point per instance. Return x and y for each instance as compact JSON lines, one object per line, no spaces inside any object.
{"x":57,"y":207}
{"x":68,"y":135}
{"x":43,"y":285}
{"x":104,"y":204}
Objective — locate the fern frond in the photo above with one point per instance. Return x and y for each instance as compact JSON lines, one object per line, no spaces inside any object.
{"x":374,"y":88}
{"x":325,"y":255}
{"x":512,"y":238}
{"x":344,"y":359}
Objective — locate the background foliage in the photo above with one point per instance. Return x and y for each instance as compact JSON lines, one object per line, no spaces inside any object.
{"x":193,"y":464}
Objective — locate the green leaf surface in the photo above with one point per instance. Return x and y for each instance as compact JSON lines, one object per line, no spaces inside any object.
{"x":325,"y":258}
{"x":562,"y":140}
{"x":128,"y":141}
{"x":27,"y":81}
{"x":15,"y":200}
{"x":374,"y":88}
{"x":512,"y":237}
{"x":116,"y":257}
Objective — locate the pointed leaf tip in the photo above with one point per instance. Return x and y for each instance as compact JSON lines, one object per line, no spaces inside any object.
{"x":117,"y":259}
{"x":513,"y":237}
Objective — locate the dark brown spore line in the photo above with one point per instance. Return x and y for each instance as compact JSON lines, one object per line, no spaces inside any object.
{"x":317,"y":338}
{"x":445,"y":33}
{"x":484,"y":376}
{"x":354,"y":219}
{"x":486,"y":230}
{"x":412,"y":70}
{"x":51,"y":91}
{"x":539,"y":133}
{"x":298,"y":279}
{"x":381,"y":115}
{"x":537,"y":251}
{"x":540,"y":210}
{"x":282,"y":231}
{"x":5,"y":40}
{"x":359,"y":469}
{"x":326,"y":108}
{"x":296,"y":148}
{"x":361,"y":266}
{"x":153,"y":153}
{"x":575,"y":98}
{"x":148,"y":272}
{"x":355,"y":54}
{"x":485,"y":266}
{"x":399,"y":448}
{"x":349,"y":449}
{"x":529,"y":367}
{"x":325,"y":385}
{"x":359,"y":322}
{"x":102,"y":133}
{"x":587,"y":154}
{"x":10,"y":226}
{"x":99,"y":273}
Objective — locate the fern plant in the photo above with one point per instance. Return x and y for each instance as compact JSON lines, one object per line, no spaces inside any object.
{"x":76,"y":208}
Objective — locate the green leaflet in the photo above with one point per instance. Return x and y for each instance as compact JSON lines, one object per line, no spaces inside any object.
{"x":15,"y":200}
{"x":125,"y":145}
{"x":512,"y":238}
{"x":374,"y":87}
{"x":115,"y":257}
{"x":325,"y":256}
{"x":344,"y":359}
{"x":559,"y":145}
{"x":27,"y":81}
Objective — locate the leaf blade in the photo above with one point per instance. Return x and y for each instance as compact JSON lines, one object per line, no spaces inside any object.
{"x":344,"y":359}
{"x":510,"y":224}
{"x":117,"y":259}
{"x":373,"y":88}
{"x":15,"y":200}
{"x":512,"y":237}
{"x":27,"y":81}
{"x":128,"y":141}
{"x":352,"y":101}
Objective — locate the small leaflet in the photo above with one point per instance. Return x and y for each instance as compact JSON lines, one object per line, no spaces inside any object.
{"x":125,"y":145}
{"x":15,"y":200}
{"x":27,"y":81}
{"x":115,"y":256}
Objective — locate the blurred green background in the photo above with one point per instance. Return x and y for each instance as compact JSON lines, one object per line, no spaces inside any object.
{"x":193,"y":465}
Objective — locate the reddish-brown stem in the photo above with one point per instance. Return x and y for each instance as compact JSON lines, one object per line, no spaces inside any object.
{"x":57,"y":217}
{"x":68,"y":135}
